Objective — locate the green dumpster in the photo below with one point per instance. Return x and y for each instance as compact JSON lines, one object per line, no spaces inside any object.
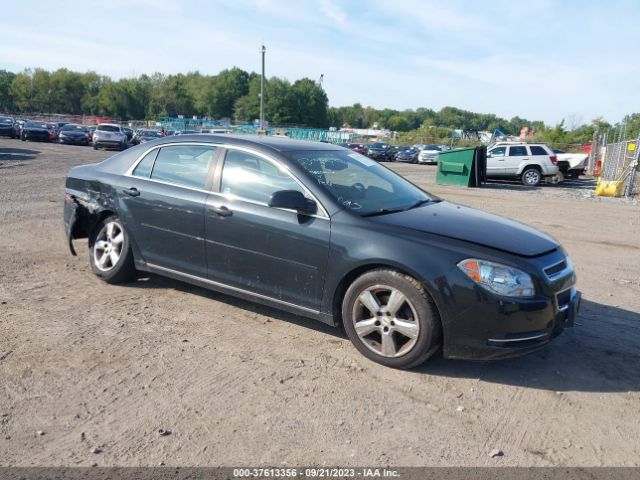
{"x":466,"y":167}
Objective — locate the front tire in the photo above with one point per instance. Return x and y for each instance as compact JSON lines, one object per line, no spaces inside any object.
{"x":110,"y":252}
{"x":390,"y":319}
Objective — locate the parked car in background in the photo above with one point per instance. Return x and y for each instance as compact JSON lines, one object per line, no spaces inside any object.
{"x":92,"y":128}
{"x":379,"y":151}
{"x":144,"y":135}
{"x":326,"y":233}
{"x":407,"y":154}
{"x":571,"y":164}
{"x":429,"y":154}
{"x":8,"y":127}
{"x":358,"y":147}
{"x":74,"y":134}
{"x":109,"y":135}
{"x":37,"y":131}
{"x":529,"y":163}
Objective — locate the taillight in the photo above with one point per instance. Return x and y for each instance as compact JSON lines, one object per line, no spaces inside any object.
{"x":553,"y":159}
{"x":68,"y":198}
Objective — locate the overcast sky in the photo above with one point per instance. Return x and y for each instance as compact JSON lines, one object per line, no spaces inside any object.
{"x":537,"y":59}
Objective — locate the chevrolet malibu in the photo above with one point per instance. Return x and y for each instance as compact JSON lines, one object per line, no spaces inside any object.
{"x":327,"y":233}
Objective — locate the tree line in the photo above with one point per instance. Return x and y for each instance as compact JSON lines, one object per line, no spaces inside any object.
{"x":235,"y":94}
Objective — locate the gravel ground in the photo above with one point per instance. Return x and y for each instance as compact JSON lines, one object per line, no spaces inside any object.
{"x":90,"y":373}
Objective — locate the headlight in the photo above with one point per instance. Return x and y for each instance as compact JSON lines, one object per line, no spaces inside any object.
{"x":497,"y":278}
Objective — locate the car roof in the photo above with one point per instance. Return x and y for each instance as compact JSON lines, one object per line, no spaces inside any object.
{"x":109,"y":125}
{"x":280,"y":144}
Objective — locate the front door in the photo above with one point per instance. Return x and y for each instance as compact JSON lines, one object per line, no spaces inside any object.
{"x":268,"y":251}
{"x":495,"y":162}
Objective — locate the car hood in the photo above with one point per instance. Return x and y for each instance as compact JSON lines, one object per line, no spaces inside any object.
{"x":463,"y":223}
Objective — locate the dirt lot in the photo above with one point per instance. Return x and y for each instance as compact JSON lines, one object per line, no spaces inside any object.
{"x":85,"y":365}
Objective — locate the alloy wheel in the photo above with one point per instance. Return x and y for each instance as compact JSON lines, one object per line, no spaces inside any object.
{"x":386,"y":321}
{"x":107,"y":247}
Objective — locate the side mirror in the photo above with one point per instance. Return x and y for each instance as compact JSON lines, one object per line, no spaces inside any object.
{"x":293,"y":200}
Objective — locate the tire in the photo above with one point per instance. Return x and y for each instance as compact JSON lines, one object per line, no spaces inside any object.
{"x":420,"y":334}
{"x":531,"y":177}
{"x":110,"y":259}
{"x":95,"y":146}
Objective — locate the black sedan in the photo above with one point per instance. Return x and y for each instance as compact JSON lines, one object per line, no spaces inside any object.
{"x":146,"y":135}
{"x":74,"y":134}
{"x":407,"y":155}
{"x":37,"y":131}
{"x":9,"y":127}
{"x":380,"y":151}
{"x":327,"y":233}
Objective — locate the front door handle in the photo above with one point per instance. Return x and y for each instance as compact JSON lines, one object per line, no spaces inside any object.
{"x":222,"y":211}
{"x":132,"y":192}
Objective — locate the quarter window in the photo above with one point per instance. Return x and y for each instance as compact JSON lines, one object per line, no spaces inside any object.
{"x":186,"y":165}
{"x":144,"y":167}
{"x":518,"y":151}
{"x":252,"y":178}
{"x":536,"y":150}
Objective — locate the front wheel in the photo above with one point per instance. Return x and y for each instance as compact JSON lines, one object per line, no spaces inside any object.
{"x":531,"y":177}
{"x":110,"y":252}
{"x":390,"y":319}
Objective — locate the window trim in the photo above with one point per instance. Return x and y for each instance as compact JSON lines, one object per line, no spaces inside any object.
{"x":214,"y":177}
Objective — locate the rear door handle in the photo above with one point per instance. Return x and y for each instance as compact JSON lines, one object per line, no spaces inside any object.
{"x":132,"y":192}
{"x":222,"y":211}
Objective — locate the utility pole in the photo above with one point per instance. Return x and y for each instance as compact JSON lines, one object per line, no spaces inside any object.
{"x":263,"y":49}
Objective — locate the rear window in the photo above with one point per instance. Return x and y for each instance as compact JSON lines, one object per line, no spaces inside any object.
{"x":536,"y":150}
{"x":36,"y":125}
{"x":6,"y":120}
{"x":184,"y":165}
{"x":520,"y":151}
{"x":108,"y":128}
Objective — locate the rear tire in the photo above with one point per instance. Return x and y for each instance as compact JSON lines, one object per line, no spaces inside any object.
{"x":390,"y":319}
{"x":531,"y":177}
{"x":110,"y":252}
{"x":95,"y":146}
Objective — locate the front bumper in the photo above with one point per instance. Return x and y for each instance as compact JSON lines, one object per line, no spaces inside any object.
{"x":515,"y":328}
{"x":481,"y":325}
{"x":74,"y":140}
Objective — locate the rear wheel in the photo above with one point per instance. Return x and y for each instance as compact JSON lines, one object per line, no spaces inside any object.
{"x":110,"y":252}
{"x":531,"y":177}
{"x":95,"y":146}
{"x":390,"y":319}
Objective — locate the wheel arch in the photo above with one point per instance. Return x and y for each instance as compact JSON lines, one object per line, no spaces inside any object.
{"x":348,"y":278}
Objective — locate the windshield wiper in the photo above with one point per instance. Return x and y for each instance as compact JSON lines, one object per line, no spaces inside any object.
{"x":384,"y":211}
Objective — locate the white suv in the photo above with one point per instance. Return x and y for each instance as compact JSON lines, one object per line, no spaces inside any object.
{"x":528,"y":162}
{"x":109,"y":135}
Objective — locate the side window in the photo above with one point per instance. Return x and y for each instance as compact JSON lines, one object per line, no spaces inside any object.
{"x":520,"y":151}
{"x":252,"y":178}
{"x":186,"y":165}
{"x":144,"y":167}
{"x":498,"y":152}
{"x":537,"y":150}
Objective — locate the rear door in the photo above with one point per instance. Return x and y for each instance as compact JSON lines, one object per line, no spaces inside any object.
{"x":516,"y":156}
{"x":163,"y":200}
{"x":267,"y":251}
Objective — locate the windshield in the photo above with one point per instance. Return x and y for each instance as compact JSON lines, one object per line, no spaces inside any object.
{"x":108,"y":128}
{"x":433,"y":147}
{"x":150,"y":133}
{"x":6,"y":120}
{"x":74,"y":128}
{"x":359,"y":183}
{"x":378,"y":145}
{"x":36,"y":125}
